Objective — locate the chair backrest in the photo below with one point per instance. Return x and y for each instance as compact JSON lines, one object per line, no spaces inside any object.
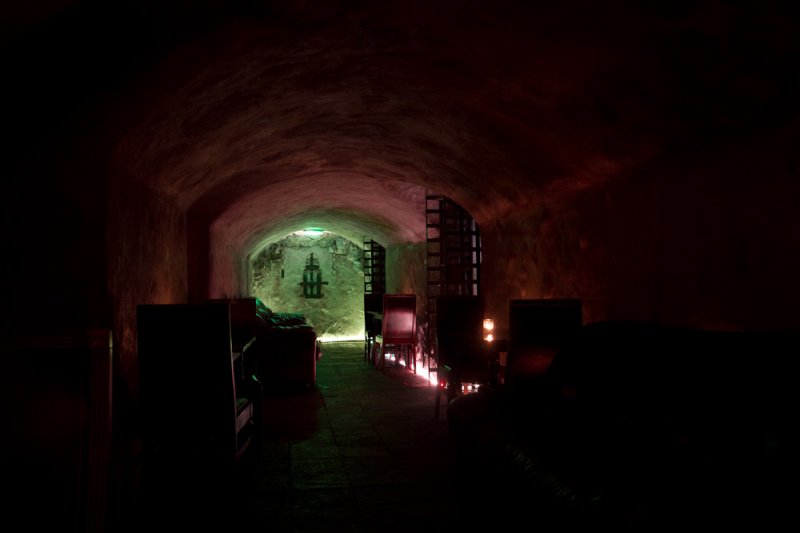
{"x":399,"y":318}
{"x":459,"y":328}
{"x":537,"y":329}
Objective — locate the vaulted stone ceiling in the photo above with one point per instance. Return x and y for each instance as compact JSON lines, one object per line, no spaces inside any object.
{"x":261,"y":117}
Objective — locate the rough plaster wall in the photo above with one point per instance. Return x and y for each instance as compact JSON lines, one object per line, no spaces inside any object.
{"x":709,"y":239}
{"x":227,"y":277}
{"x":340,"y":311}
{"x":706,"y":240}
{"x":405,"y":271}
{"x":146,"y":260}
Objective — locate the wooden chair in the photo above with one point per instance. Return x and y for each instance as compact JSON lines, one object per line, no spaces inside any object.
{"x":463,"y":354}
{"x":398,"y":327}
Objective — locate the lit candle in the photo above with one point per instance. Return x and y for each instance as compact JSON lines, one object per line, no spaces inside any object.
{"x":488,"y":327}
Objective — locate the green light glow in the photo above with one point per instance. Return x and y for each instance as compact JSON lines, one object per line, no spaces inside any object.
{"x":311,"y":232}
{"x":340,"y":338}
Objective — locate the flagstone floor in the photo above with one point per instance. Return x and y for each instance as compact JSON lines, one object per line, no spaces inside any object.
{"x":361,"y":452}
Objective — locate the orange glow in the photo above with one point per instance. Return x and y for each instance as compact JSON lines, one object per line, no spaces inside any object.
{"x":425,"y":372}
{"x":488,"y":327}
{"x":469,"y":388}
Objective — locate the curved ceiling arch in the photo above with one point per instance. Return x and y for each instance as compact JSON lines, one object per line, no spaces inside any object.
{"x":497,"y":105}
{"x":414,"y":95}
{"x":388,"y":211}
{"x":349,"y":225}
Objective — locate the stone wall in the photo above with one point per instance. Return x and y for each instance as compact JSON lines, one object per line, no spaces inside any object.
{"x":278,"y":271}
{"x":147,"y":261}
{"x":707,"y":240}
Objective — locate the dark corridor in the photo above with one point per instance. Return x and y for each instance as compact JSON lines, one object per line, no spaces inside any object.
{"x":360,"y":452}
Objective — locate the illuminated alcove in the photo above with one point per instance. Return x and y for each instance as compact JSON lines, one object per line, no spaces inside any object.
{"x":317,"y":273}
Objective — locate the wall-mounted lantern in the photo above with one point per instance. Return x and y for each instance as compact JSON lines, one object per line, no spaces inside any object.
{"x":312,"y":278}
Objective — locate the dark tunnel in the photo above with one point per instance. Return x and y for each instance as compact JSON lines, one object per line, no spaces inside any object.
{"x":638,"y":160}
